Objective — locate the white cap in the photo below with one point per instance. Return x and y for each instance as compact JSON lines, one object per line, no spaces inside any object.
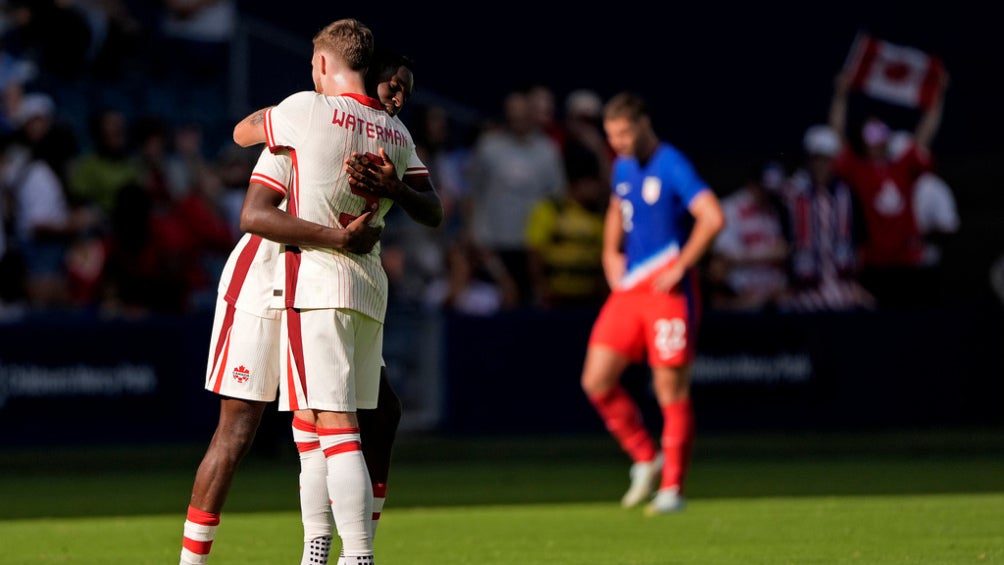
{"x":583,"y":102}
{"x":821,"y":140}
{"x":34,"y":105}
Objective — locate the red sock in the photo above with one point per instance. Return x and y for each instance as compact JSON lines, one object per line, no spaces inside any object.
{"x":677,"y":441}
{"x":622,"y":418}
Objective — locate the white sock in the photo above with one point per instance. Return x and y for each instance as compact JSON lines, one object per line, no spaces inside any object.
{"x":350,"y":490}
{"x":316,"y":551}
{"x":315,"y":506}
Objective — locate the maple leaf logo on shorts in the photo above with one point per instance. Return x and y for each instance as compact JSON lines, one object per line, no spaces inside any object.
{"x":242,"y":374}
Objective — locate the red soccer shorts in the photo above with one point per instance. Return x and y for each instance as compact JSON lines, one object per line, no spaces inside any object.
{"x":633,"y":322}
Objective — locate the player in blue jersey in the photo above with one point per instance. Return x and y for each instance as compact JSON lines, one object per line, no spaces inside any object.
{"x":661,"y":221}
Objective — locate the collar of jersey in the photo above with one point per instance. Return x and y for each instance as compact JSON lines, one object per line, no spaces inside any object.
{"x":364,"y":100}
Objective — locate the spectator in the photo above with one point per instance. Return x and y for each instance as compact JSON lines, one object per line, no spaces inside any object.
{"x":748,"y":263}
{"x":15,"y":72}
{"x":151,"y":135}
{"x":235,"y":165}
{"x":512,"y":168}
{"x":543,"y":112}
{"x":43,"y":224}
{"x":107,"y":165}
{"x":50,"y":139}
{"x":583,"y":131}
{"x":201,"y":216}
{"x":149,"y":258}
{"x":445,"y":146}
{"x":826,"y":228}
{"x":185,"y":162}
{"x":934,"y":205}
{"x":565,"y":240}
{"x":476,"y":283}
{"x":894,"y":249}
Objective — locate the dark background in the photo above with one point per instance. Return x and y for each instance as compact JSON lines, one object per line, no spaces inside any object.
{"x":724,"y":78}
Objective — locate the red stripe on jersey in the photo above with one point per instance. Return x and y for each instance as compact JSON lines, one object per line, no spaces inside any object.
{"x":197,"y":547}
{"x":416,"y":172}
{"x":336,"y":431}
{"x":269,"y":182}
{"x":292,"y":257}
{"x":296,"y":354}
{"x":292,"y":254}
{"x":241,"y":269}
{"x":222,"y":346}
{"x":304,"y":446}
{"x":345,"y":447}
{"x":201,"y":517}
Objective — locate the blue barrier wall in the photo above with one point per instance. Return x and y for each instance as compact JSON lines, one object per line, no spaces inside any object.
{"x":77,"y":379}
{"x":520,"y":373}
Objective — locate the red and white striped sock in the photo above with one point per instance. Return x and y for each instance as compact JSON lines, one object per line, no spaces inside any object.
{"x":379,"y":497}
{"x":350,"y":489}
{"x":200,"y":530}
{"x":315,"y":505}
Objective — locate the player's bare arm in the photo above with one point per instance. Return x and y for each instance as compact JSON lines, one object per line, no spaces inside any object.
{"x":614,"y":261}
{"x":251,"y":130}
{"x":261,"y":216}
{"x":415,"y":194}
{"x":708,"y":223}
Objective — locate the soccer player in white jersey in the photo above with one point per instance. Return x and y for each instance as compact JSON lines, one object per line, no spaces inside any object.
{"x":392,"y":80}
{"x":334,"y":302}
{"x":242,"y":366}
{"x":237,"y":425}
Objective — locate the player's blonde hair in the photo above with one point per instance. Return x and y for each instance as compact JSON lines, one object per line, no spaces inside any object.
{"x":349,"y":39}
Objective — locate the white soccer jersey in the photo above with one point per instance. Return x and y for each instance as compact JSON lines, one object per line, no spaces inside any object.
{"x":320,"y":132}
{"x":248,"y":278}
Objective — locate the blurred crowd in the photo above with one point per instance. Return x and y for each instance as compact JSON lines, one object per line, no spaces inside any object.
{"x":113,"y":201}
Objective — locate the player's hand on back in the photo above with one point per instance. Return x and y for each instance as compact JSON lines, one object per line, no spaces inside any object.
{"x":361,"y":237}
{"x":373,"y":173}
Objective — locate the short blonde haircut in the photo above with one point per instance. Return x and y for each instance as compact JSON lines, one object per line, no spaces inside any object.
{"x":349,"y":39}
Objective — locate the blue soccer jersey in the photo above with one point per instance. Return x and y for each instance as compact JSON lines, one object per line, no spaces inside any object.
{"x":654,"y":209}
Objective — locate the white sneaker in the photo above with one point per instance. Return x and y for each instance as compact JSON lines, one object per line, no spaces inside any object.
{"x":645,"y":478}
{"x":666,"y":501}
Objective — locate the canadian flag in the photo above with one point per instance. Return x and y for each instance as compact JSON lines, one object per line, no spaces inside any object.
{"x":897,"y":74}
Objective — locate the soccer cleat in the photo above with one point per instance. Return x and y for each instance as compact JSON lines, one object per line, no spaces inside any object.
{"x":644,"y":478}
{"x":666,"y":501}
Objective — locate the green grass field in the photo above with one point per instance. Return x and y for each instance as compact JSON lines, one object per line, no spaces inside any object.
{"x":918,"y":497}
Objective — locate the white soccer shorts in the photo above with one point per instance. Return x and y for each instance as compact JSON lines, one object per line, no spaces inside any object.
{"x":244,"y":354}
{"x":331,"y":360}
